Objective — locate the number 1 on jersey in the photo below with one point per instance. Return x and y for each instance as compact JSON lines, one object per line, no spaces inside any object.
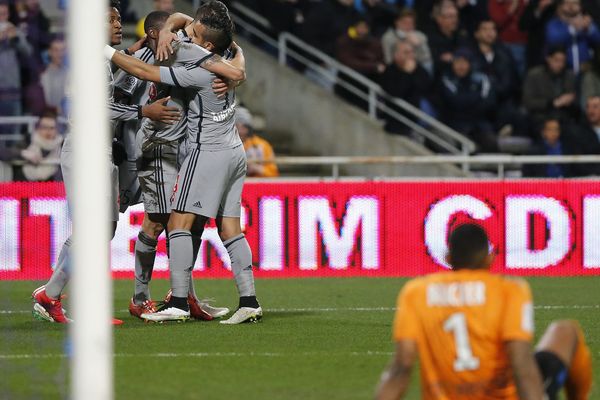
{"x":465,"y":361}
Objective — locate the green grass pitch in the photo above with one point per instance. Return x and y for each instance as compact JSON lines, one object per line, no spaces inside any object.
{"x":319,"y":339}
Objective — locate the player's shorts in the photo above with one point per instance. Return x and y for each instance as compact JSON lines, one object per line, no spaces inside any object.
{"x":130,"y":192}
{"x":66,"y":165}
{"x":157,"y":172}
{"x":210,"y":183}
{"x":554,"y":373}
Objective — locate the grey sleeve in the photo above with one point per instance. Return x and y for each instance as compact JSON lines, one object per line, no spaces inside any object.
{"x":122,"y":112}
{"x":186,"y":76}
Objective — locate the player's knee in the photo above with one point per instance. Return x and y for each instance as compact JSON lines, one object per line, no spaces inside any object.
{"x":226,"y":233}
{"x":564,"y":326}
{"x":152,"y":229}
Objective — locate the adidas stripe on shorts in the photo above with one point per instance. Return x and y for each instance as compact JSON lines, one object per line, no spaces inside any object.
{"x":157,"y":172}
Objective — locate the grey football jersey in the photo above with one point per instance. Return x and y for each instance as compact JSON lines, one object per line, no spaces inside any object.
{"x":117,"y":112}
{"x":187,"y":55}
{"x":211,"y":122}
{"x":138,"y":92}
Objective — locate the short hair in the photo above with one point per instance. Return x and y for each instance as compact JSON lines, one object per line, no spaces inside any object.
{"x":484,"y":21}
{"x":218,"y":25}
{"x":214,"y":14}
{"x":155,"y":20}
{"x":468,"y":245}
{"x":552,"y":50}
{"x":439,"y":6}
{"x":115,"y":4}
{"x":405,"y":12}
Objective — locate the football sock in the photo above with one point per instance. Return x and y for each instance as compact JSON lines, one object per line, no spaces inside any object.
{"x":145,"y":253}
{"x":179,"y":302}
{"x":248,"y":301}
{"x":181,"y":255}
{"x":61,"y":273}
{"x":241,"y":264}
{"x":196,"y":242}
{"x":579,"y":379}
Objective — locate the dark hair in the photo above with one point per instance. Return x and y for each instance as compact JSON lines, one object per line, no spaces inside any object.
{"x":115,"y":4}
{"x":552,"y":50}
{"x":468,"y":246}
{"x":214,"y":14}
{"x":219,"y":28}
{"x":155,"y":20}
{"x":484,"y":21}
{"x":405,"y":12}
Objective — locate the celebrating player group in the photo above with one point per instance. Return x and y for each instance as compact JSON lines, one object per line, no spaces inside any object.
{"x":176,"y":149}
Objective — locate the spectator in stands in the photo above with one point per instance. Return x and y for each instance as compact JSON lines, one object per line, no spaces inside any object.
{"x":326,"y":21}
{"x":467,"y":99}
{"x":31,"y":19}
{"x":362,"y":52}
{"x":54,"y":78}
{"x":494,"y":60}
{"x":470,"y":13}
{"x":590,"y":84}
{"x":380,"y":13}
{"x":12,"y":45}
{"x":533,"y":21}
{"x":404,"y":28}
{"x":506,"y":14}
{"x":255,"y":146}
{"x":552,"y":142}
{"x":445,"y":36}
{"x":43,"y":154}
{"x":589,"y":131}
{"x":550,"y":89}
{"x":405,"y":79}
{"x":575,"y":31}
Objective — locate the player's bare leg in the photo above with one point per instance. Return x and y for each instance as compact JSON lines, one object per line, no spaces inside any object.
{"x":565,"y":340}
{"x":230,"y":232}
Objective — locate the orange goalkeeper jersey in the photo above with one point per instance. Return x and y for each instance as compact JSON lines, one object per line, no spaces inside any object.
{"x":461,"y":321}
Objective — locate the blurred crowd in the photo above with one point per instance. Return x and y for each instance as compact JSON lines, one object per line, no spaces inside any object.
{"x":519,"y":76}
{"x":33,"y":82}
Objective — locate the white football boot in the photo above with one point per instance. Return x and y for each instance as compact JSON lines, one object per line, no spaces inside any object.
{"x":215,"y":312}
{"x":244,"y":314}
{"x":167,"y":314}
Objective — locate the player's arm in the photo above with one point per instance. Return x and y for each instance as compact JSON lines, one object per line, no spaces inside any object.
{"x":525,"y":370}
{"x":166,"y":36}
{"x":233,"y":70}
{"x":396,"y":378}
{"x":157,"y":111}
{"x":133,"y":66}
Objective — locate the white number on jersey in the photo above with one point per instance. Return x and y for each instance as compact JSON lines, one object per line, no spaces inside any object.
{"x":465,"y":361}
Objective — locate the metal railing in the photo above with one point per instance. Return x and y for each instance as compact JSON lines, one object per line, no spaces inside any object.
{"x":28,"y":121}
{"x":500,"y":161}
{"x":289,"y":47}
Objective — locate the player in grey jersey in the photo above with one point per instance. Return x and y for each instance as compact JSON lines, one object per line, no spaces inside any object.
{"x":158,"y":147}
{"x":47,"y":303}
{"x":211,"y":177}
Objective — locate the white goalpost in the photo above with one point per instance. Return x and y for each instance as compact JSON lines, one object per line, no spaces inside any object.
{"x":91,"y":301}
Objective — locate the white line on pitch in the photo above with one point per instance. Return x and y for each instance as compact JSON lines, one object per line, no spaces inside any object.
{"x":201,"y":355}
{"x":359,"y":309}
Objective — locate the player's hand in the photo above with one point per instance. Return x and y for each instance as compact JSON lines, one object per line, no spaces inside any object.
{"x":159,"y":111}
{"x":137,"y":45}
{"x":221,"y":86}
{"x":164,"y":48}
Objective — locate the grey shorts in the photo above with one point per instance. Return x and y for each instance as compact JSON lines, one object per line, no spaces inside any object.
{"x":66,"y":165}
{"x":130,"y":192}
{"x":210,"y":183}
{"x":157,"y":172}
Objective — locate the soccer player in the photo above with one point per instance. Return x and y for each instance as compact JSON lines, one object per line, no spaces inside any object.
{"x":47,"y":298}
{"x":158,"y":168}
{"x":211,"y":177}
{"x":472,"y":332}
